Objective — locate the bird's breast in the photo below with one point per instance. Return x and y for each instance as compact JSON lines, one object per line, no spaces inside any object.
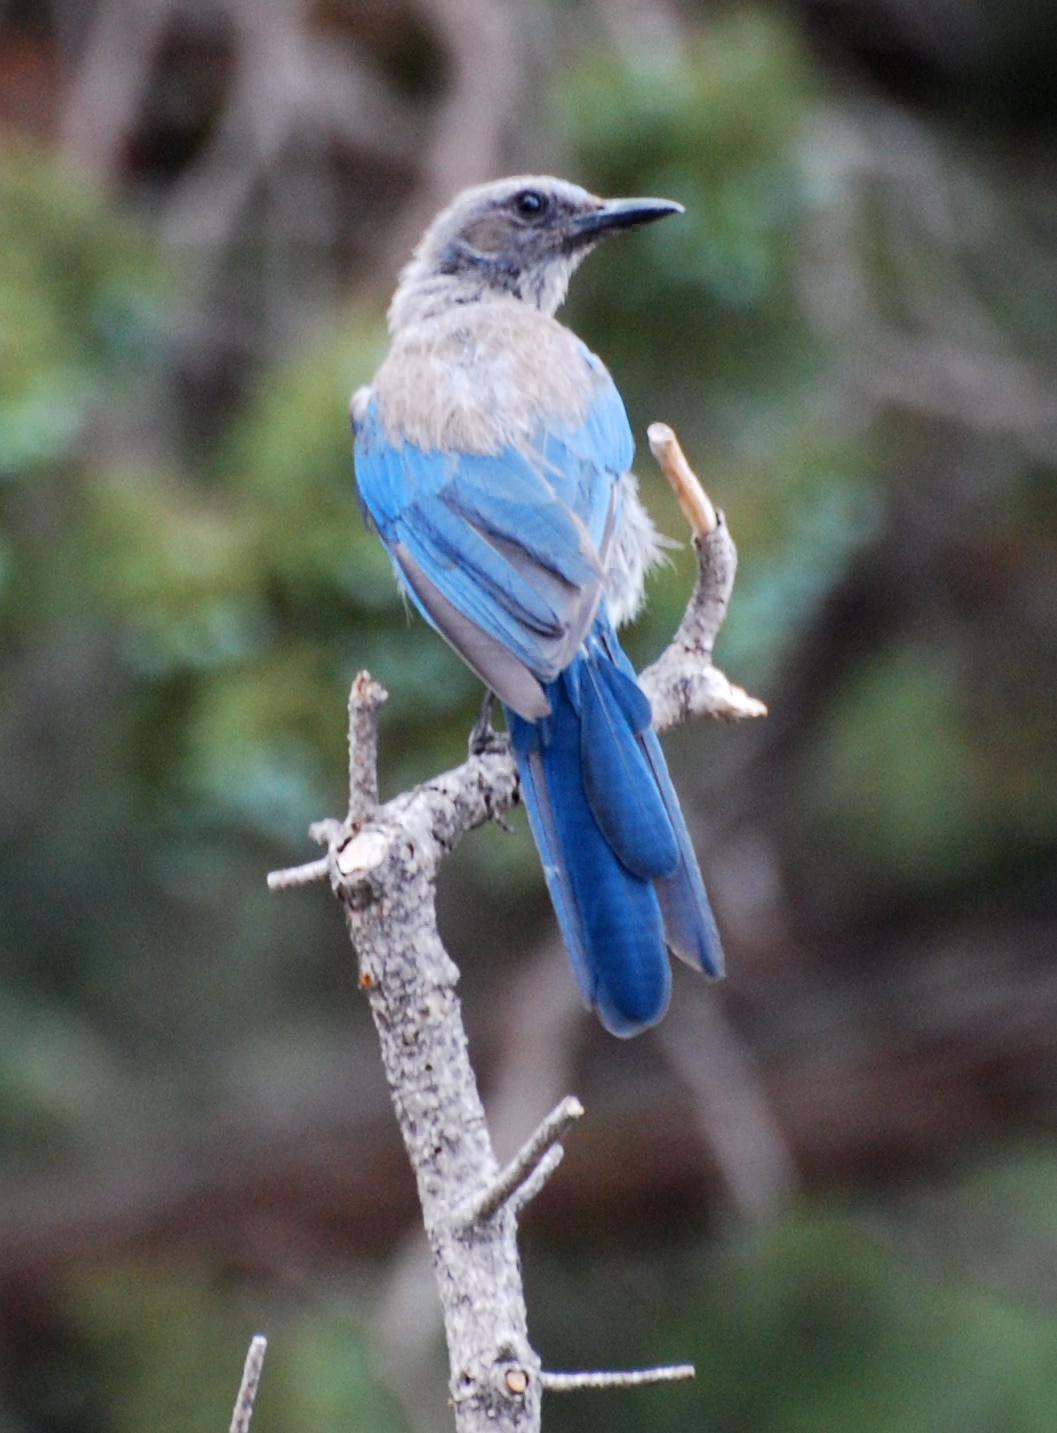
{"x":479,"y":382}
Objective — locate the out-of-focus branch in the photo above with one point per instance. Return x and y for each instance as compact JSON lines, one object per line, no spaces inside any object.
{"x":251,"y":1377}
{"x":296,"y":92}
{"x":535,"y":1057}
{"x":933,"y":344}
{"x":110,"y":83}
{"x":733,"y":1112}
{"x":289,"y":84}
{"x":465,"y":147}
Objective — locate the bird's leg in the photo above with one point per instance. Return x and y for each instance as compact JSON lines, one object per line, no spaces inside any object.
{"x":483,"y":737}
{"x":486,"y":741}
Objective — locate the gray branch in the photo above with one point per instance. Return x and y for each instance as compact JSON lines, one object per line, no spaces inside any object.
{"x":382,"y":862}
{"x":527,"y":1190}
{"x":251,"y":1377}
{"x":528,"y":1162}
{"x":618,"y":1378}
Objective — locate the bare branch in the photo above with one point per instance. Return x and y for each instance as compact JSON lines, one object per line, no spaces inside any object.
{"x":683,"y":682}
{"x":251,"y":1377}
{"x":694,"y":501}
{"x":306,"y":875}
{"x":384,"y":873}
{"x":526,"y":1162}
{"x":382,"y":862}
{"x":366,"y":697}
{"x":527,"y":1191}
{"x":629,"y":1378}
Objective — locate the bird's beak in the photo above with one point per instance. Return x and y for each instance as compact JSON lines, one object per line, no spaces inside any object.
{"x":615,"y":214}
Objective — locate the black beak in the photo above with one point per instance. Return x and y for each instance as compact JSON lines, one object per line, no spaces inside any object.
{"x":616,"y":214}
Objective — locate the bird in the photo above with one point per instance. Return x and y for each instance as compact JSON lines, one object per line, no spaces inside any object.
{"x":493,"y":458}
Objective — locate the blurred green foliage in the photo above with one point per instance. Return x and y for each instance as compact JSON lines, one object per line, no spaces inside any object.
{"x":917,"y":777}
{"x":78,"y":302}
{"x":896,"y":767}
{"x":138,"y":787}
{"x":158,"y":1346}
{"x":699,"y":317}
{"x":830,"y":1318}
{"x":704,"y":304}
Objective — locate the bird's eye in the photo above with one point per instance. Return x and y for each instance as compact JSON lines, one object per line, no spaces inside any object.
{"x":530,"y":203}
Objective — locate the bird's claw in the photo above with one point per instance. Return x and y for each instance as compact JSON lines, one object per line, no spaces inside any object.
{"x":484,"y":739}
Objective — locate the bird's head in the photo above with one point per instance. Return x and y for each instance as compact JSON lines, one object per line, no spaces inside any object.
{"x":523,"y":237}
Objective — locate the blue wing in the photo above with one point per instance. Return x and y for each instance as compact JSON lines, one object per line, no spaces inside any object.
{"x":504,"y":554}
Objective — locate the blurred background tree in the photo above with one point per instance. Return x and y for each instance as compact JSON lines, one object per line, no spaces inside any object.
{"x":830,"y":1181}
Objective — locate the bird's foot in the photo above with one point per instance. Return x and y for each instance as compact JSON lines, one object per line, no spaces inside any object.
{"x":484,"y":739}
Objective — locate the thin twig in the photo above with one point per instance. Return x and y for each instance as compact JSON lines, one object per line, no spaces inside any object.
{"x":684,"y":482}
{"x":683,"y":682}
{"x":305,"y":875}
{"x":251,"y":1377}
{"x":366,"y":698}
{"x":527,"y":1160}
{"x":530,"y":1187}
{"x":621,"y":1378}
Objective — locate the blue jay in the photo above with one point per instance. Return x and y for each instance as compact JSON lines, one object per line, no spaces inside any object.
{"x":493,"y":458}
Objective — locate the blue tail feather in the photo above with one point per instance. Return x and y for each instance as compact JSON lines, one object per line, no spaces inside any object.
{"x":689,"y":926}
{"x":616,"y":854}
{"x":618,"y":782}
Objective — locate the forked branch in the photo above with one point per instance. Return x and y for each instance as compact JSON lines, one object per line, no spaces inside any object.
{"x":382,"y":862}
